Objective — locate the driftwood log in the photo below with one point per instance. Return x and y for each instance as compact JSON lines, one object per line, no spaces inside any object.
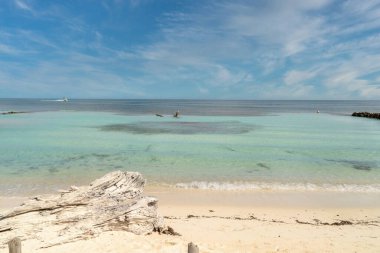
{"x":113,"y":202}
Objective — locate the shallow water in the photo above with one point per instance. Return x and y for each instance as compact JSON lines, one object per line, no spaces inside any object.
{"x":42,"y":151}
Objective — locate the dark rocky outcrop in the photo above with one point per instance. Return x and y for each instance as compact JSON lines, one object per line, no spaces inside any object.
{"x":11,"y":112}
{"x":367,"y":115}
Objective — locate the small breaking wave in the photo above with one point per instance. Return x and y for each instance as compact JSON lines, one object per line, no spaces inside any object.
{"x":263,"y":186}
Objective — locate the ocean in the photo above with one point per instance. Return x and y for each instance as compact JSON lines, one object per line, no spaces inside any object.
{"x":214,"y":144}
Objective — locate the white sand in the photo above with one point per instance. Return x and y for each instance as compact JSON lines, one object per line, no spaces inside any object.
{"x":273,"y":229}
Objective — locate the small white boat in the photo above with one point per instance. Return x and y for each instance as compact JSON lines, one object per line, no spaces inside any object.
{"x":64,"y":99}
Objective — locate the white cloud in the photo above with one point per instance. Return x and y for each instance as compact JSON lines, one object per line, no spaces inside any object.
{"x":22,"y":5}
{"x":134,"y":3}
{"x":272,"y":91}
{"x":284,"y":24}
{"x":351,"y":85}
{"x":203,"y":90}
{"x":295,"y":77}
{"x":76,"y":77}
{"x":370,"y":43}
{"x":259,"y":36}
{"x":351,"y":77}
{"x":356,"y":17}
{"x":362,"y":8}
{"x":293,"y":49}
{"x":225,"y":77}
{"x":5,"y":49}
{"x":35,"y":38}
{"x":225,"y":31}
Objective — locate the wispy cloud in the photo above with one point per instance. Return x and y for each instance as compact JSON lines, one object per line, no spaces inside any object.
{"x":295,"y":77}
{"x":23,"y":5}
{"x":67,"y":79}
{"x":353,"y":77}
{"x":215,"y":49}
{"x":257,"y":39}
{"x":6,"y":49}
{"x":287,"y":25}
{"x":252,"y":41}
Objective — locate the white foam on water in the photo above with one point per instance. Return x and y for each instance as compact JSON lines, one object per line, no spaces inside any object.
{"x":262,"y":186}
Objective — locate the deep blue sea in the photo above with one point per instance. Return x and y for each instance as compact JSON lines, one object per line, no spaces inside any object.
{"x":192,"y":107}
{"x":214,"y":144}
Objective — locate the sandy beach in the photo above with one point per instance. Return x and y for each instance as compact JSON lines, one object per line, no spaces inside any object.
{"x":241,"y":126}
{"x":222,"y":221}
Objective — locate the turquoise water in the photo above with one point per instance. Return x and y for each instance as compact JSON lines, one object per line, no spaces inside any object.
{"x":43,"y":151}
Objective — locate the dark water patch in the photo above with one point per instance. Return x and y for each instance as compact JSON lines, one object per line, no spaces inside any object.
{"x":253,"y":170}
{"x":180,"y":127}
{"x":101,"y":156}
{"x":289,"y":151}
{"x":148,"y":148}
{"x":361,"y":167}
{"x":228,"y":148}
{"x":154,"y":159}
{"x":263,"y":165}
{"x":33,"y":168}
{"x":357,"y":165}
{"x":84,"y":158}
{"x":73,"y":158}
{"x":53,"y":170}
{"x":15,"y":173}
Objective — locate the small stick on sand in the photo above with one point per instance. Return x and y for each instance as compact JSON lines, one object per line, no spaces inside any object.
{"x":192,"y":248}
{"x":14,"y":245}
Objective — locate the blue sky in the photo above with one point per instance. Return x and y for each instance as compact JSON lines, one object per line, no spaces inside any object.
{"x":293,"y":49}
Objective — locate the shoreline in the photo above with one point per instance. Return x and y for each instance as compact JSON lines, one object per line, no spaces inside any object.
{"x":170,"y":195}
{"x":268,"y":199}
{"x":245,"y":221}
{"x":256,"y":197}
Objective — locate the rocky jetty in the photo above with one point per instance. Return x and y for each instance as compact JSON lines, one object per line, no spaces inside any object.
{"x":113,"y":202}
{"x":367,"y":115}
{"x":11,"y":112}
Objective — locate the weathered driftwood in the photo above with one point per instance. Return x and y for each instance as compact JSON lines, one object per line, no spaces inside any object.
{"x":113,"y":202}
